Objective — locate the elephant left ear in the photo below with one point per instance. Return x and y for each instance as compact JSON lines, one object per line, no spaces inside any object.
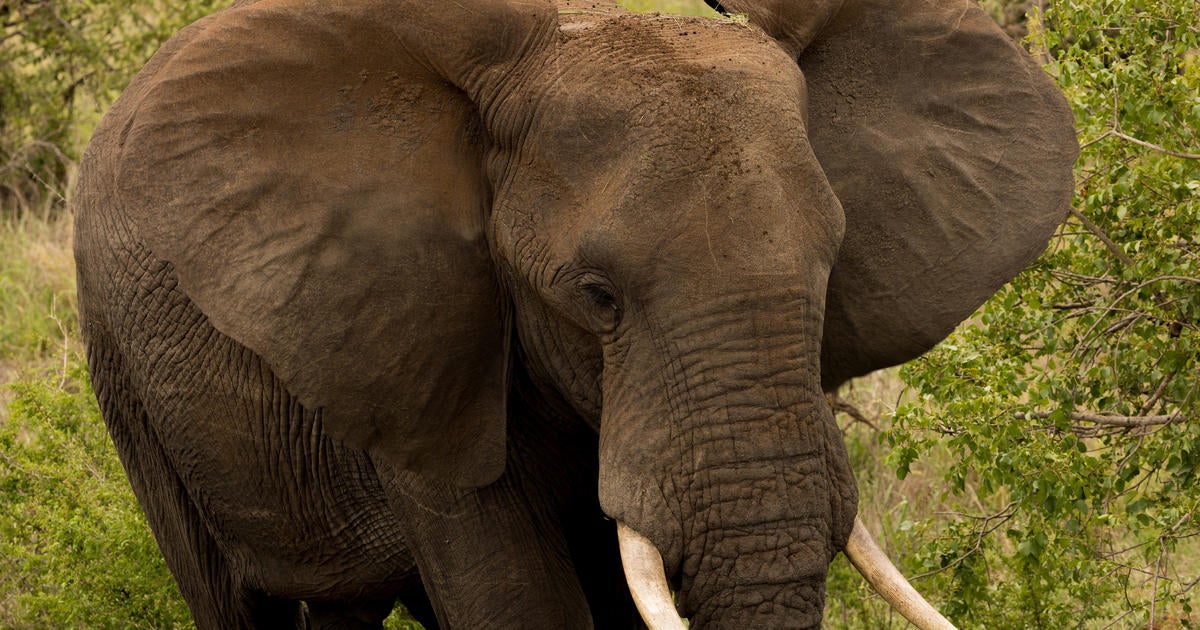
{"x":314,"y":174}
{"x":950,"y":150}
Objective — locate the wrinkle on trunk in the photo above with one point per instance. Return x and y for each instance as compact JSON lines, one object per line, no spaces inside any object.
{"x":761,"y":532}
{"x":718,"y":446}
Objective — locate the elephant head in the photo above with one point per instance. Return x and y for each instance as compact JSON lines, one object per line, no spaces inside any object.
{"x":685,"y":229}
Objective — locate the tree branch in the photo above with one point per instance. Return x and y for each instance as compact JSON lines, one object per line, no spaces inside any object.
{"x":985,"y":528}
{"x":841,"y":406}
{"x":1102,"y":235}
{"x":1109,"y":420}
{"x":1155,"y":147}
{"x":1158,"y":391}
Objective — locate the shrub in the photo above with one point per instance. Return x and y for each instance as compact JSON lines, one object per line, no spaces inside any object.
{"x":1071,"y":401}
{"x":74,"y":549}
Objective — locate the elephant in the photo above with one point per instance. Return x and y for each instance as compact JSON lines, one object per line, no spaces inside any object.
{"x":480,"y":306}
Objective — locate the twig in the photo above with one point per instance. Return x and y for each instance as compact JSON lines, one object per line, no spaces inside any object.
{"x":1128,"y":611}
{"x":66,"y":343}
{"x":841,"y":406}
{"x":1154,"y":147}
{"x":1082,"y":349}
{"x":1102,"y":235}
{"x":1158,"y":392}
{"x":1065,"y":276}
{"x":1162,"y":551}
{"x":1108,"y":420}
{"x":1123,"y":323}
{"x":1073,"y":306}
{"x":1003,"y":516}
{"x":1106,"y":134}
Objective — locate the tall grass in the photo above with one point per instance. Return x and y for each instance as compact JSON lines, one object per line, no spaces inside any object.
{"x":37,"y":288}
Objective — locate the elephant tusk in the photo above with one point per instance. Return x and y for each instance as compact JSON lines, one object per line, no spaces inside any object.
{"x":647,"y":580}
{"x":882,"y":575}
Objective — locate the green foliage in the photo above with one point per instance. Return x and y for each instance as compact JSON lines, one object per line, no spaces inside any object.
{"x":75,"y":551}
{"x":1071,"y":399}
{"x":400,"y":620}
{"x":62,"y":62}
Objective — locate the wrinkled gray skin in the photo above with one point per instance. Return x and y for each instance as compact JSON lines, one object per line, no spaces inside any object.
{"x":385,"y":301}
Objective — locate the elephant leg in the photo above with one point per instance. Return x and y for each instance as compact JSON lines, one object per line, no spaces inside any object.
{"x":487,"y":557}
{"x":201,"y":571}
{"x":498,"y":556}
{"x":521,"y":551}
{"x":560,"y":456}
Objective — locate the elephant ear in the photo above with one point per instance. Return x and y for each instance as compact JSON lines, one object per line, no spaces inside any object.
{"x":950,"y":150}
{"x":313,"y":172}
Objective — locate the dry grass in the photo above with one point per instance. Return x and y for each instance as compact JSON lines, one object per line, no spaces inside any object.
{"x":37,"y":290}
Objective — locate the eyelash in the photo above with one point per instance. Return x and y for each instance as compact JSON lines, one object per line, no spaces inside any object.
{"x":603,"y":299}
{"x":601,"y":295}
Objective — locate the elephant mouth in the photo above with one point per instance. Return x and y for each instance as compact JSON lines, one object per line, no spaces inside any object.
{"x":647,"y":579}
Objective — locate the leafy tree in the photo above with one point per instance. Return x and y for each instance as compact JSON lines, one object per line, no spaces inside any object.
{"x":1071,"y":401}
{"x":62,"y":62}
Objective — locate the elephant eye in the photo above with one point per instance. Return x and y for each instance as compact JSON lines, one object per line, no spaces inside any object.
{"x":600,"y":295}
{"x":605,"y":307}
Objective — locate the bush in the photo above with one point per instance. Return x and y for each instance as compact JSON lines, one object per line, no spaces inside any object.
{"x":74,"y":549}
{"x":1070,"y":402}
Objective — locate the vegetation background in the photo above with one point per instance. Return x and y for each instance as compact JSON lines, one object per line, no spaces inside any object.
{"x":1039,"y":469}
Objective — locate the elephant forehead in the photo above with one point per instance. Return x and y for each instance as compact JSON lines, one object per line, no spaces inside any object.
{"x":628,"y":37}
{"x":616,"y":76}
{"x":648,"y":133}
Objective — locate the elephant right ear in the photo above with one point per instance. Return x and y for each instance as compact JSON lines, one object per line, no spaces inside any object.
{"x":314,"y":174}
{"x":950,"y":151}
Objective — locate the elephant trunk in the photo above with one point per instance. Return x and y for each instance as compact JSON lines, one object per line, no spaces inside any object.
{"x":738,"y":476}
{"x":766,"y":521}
{"x":648,"y":583}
